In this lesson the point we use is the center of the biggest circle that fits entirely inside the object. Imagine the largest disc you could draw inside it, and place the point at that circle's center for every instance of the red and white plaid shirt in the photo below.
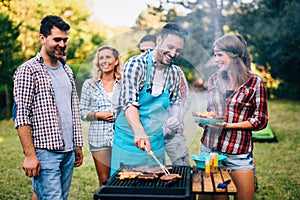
(247, 103)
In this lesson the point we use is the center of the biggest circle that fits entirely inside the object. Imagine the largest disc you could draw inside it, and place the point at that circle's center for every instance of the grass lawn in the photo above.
(277, 163)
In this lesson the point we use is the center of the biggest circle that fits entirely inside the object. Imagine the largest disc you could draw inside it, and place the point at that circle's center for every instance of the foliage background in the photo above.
(271, 28)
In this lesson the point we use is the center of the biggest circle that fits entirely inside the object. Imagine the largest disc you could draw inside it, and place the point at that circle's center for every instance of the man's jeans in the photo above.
(54, 180)
(177, 150)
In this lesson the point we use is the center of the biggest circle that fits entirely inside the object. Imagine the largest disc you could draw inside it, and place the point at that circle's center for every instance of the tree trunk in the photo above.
(217, 18)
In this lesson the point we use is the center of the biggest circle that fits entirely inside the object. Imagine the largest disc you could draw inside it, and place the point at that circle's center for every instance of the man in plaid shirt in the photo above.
(47, 114)
(175, 142)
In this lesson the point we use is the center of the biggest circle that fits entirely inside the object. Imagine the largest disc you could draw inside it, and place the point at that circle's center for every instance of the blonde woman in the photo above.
(97, 99)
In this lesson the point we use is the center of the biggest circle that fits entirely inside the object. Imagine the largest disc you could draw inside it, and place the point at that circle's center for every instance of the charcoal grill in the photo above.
(131, 189)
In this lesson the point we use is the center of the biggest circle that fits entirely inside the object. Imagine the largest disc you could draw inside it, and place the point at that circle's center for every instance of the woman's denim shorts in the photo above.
(93, 148)
(234, 161)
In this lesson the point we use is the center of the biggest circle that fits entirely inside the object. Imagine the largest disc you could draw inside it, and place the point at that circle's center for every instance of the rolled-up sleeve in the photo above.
(23, 95)
(259, 120)
(132, 81)
(85, 99)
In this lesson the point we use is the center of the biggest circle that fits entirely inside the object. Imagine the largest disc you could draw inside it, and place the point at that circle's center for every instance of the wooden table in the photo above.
(202, 184)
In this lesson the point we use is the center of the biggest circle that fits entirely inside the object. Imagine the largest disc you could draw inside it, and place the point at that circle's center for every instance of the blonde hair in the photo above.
(235, 46)
(96, 70)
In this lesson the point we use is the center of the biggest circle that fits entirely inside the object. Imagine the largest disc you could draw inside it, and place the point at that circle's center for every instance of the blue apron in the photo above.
(153, 113)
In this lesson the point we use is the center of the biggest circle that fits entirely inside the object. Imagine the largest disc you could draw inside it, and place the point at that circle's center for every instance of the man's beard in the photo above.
(161, 56)
(51, 53)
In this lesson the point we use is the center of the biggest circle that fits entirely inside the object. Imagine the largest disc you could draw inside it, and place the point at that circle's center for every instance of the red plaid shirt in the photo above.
(247, 103)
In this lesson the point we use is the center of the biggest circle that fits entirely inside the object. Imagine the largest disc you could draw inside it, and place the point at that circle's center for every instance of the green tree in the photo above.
(84, 34)
(30, 12)
(153, 18)
(272, 30)
(9, 59)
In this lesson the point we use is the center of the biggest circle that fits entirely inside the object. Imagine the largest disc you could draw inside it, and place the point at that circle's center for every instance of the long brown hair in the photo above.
(235, 46)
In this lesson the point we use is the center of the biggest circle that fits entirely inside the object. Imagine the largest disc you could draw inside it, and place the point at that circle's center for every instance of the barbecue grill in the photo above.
(131, 189)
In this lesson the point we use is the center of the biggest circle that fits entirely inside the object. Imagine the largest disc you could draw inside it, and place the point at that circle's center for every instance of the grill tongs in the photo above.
(163, 168)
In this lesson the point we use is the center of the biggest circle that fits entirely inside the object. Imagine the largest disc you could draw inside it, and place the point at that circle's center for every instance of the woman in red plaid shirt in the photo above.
(238, 94)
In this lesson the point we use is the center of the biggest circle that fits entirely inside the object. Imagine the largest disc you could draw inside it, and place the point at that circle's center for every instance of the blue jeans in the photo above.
(177, 149)
(54, 180)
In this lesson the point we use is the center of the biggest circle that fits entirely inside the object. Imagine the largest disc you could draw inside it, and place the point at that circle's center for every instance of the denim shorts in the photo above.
(94, 148)
(54, 179)
(234, 161)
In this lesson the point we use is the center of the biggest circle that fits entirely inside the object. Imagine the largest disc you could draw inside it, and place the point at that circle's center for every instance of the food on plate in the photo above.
(170, 177)
(205, 114)
(205, 118)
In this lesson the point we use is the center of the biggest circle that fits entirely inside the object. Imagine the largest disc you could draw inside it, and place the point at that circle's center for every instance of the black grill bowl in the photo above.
(132, 189)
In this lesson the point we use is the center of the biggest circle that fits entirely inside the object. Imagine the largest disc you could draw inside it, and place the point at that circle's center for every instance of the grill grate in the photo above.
(147, 189)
